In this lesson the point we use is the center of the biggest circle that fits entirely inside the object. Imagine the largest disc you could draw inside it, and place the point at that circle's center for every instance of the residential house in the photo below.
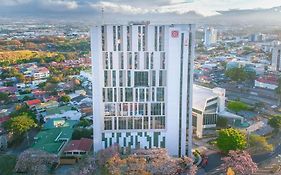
(78, 147)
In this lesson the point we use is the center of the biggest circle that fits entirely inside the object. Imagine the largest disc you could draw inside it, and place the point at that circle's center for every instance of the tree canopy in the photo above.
(275, 122)
(65, 98)
(259, 144)
(20, 124)
(240, 74)
(237, 106)
(231, 139)
(240, 162)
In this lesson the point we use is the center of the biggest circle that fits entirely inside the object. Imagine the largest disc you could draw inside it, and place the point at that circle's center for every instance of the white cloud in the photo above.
(203, 7)
(13, 2)
(68, 4)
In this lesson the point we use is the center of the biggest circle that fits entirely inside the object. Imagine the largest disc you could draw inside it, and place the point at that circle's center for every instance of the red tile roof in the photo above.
(33, 102)
(81, 145)
(268, 80)
(4, 119)
(8, 89)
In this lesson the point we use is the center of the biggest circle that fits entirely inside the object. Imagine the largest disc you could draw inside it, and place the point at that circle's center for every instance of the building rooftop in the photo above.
(83, 144)
(52, 138)
(59, 122)
(200, 96)
(268, 80)
(58, 110)
(33, 102)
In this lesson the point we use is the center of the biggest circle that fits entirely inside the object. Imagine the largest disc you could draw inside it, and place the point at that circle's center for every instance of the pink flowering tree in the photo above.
(240, 162)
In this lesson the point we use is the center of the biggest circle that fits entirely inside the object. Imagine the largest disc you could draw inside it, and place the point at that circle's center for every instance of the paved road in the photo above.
(214, 160)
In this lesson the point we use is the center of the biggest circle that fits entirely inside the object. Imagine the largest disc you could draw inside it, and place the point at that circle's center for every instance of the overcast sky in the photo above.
(125, 8)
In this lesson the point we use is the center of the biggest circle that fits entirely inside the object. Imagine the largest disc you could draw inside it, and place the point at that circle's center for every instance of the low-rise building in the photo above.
(78, 147)
(33, 103)
(267, 82)
(66, 112)
(207, 105)
(54, 136)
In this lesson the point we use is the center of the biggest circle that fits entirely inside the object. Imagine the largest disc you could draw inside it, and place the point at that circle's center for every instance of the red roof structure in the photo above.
(268, 80)
(4, 119)
(33, 102)
(8, 89)
(83, 144)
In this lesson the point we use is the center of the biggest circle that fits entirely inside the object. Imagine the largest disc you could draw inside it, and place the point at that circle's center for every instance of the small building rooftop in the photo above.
(200, 96)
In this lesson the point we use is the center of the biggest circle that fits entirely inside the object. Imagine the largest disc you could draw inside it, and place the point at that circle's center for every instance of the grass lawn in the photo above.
(7, 163)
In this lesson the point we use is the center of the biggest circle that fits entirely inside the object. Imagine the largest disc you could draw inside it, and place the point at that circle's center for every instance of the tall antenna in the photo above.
(102, 16)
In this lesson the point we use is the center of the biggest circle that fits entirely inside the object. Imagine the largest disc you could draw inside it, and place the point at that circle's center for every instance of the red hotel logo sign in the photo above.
(175, 34)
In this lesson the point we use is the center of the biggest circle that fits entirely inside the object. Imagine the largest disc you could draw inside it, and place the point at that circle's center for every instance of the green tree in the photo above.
(222, 122)
(82, 133)
(231, 139)
(275, 122)
(259, 144)
(84, 123)
(4, 96)
(237, 106)
(65, 98)
(20, 124)
(240, 74)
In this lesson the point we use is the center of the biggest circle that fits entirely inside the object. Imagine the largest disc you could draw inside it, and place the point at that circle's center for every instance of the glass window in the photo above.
(139, 38)
(143, 38)
(159, 122)
(121, 60)
(141, 79)
(107, 123)
(103, 37)
(121, 95)
(109, 95)
(155, 108)
(114, 78)
(119, 109)
(125, 109)
(138, 122)
(145, 122)
(130, 123)
(141, 92)
(162, 78)
(114, 94)
(122, 78)
(129, 37)
(137, 64)
(129, 78)
(114, 38)
(141, 109)
(153, 78)
(122, 123)
(130, 61)
(105, 60)
(147, 91)
(119, 38)
(151, 60)
(160, 94)
(146, 60)
(111, 60)
(109, 109)
(162, 60)
(128, 94)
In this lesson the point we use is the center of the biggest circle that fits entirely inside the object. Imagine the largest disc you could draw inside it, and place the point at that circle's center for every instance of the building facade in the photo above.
(276, 58)
(142, 84)
(210, 36)
(207, 105)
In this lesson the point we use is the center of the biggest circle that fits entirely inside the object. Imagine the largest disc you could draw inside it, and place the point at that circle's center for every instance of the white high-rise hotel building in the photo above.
(142, 86)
